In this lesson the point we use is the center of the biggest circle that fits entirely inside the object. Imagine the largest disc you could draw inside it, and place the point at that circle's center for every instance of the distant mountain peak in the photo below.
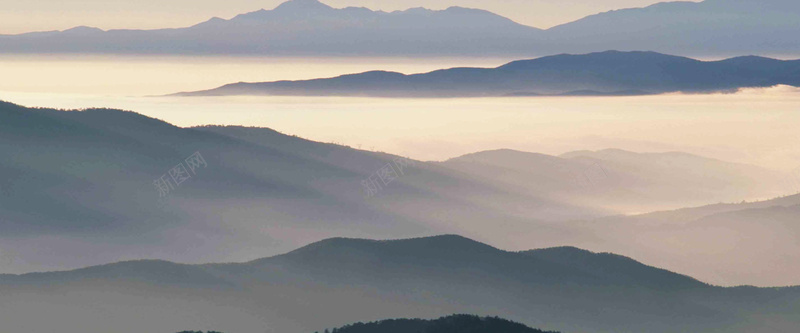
(302, 6)
(413, 10)
(561, 251)
(345, 249)
(495, 154)
(452, 323)
(83, 29)
(459, 9)
(450, 239)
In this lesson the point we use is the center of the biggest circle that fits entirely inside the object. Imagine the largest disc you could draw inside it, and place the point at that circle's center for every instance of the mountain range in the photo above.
(565, 289)
(722, 242)
(603, 73)
(77, 181)
(310, 28)
(618, 179)
(83, 182)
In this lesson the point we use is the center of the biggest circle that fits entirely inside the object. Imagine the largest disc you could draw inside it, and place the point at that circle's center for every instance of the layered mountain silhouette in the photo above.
(301, 27)
(604, 73)
(309, 27)
(83, 182)
(722, 242)
(621, 179)
(564, 289)
(77, 177)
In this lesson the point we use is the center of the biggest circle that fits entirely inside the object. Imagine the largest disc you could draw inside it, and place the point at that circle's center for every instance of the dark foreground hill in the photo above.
(339, 281)
(604, 73)
(450, 324)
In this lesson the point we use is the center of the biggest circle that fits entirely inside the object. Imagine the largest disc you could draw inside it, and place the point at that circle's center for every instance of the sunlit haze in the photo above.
(755, 126)
(290, 166)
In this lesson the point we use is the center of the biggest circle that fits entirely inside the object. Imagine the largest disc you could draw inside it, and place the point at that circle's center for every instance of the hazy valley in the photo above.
(261, 191)
(364, 167)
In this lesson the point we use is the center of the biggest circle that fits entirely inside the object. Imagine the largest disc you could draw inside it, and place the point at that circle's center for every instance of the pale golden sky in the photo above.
(17, 16)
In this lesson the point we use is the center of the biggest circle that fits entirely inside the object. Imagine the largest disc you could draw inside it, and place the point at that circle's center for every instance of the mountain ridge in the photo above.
(556, 286)
(450, 243)
(267, 186)
(619, 178)
(302, 28)
(608, 72)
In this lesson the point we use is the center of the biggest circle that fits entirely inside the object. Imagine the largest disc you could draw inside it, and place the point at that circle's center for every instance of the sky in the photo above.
(18, 16)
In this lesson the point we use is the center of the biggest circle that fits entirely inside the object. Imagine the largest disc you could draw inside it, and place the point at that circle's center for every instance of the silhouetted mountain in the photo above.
(458, 258)
(605, 73)
(449, 324)
(687, 215)
(723, 243)
(627, 181)
(78, 178)
(710, 27)
(83, 182)
(613, 267)
(308, 27)
(303, 27)
(561, 289)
